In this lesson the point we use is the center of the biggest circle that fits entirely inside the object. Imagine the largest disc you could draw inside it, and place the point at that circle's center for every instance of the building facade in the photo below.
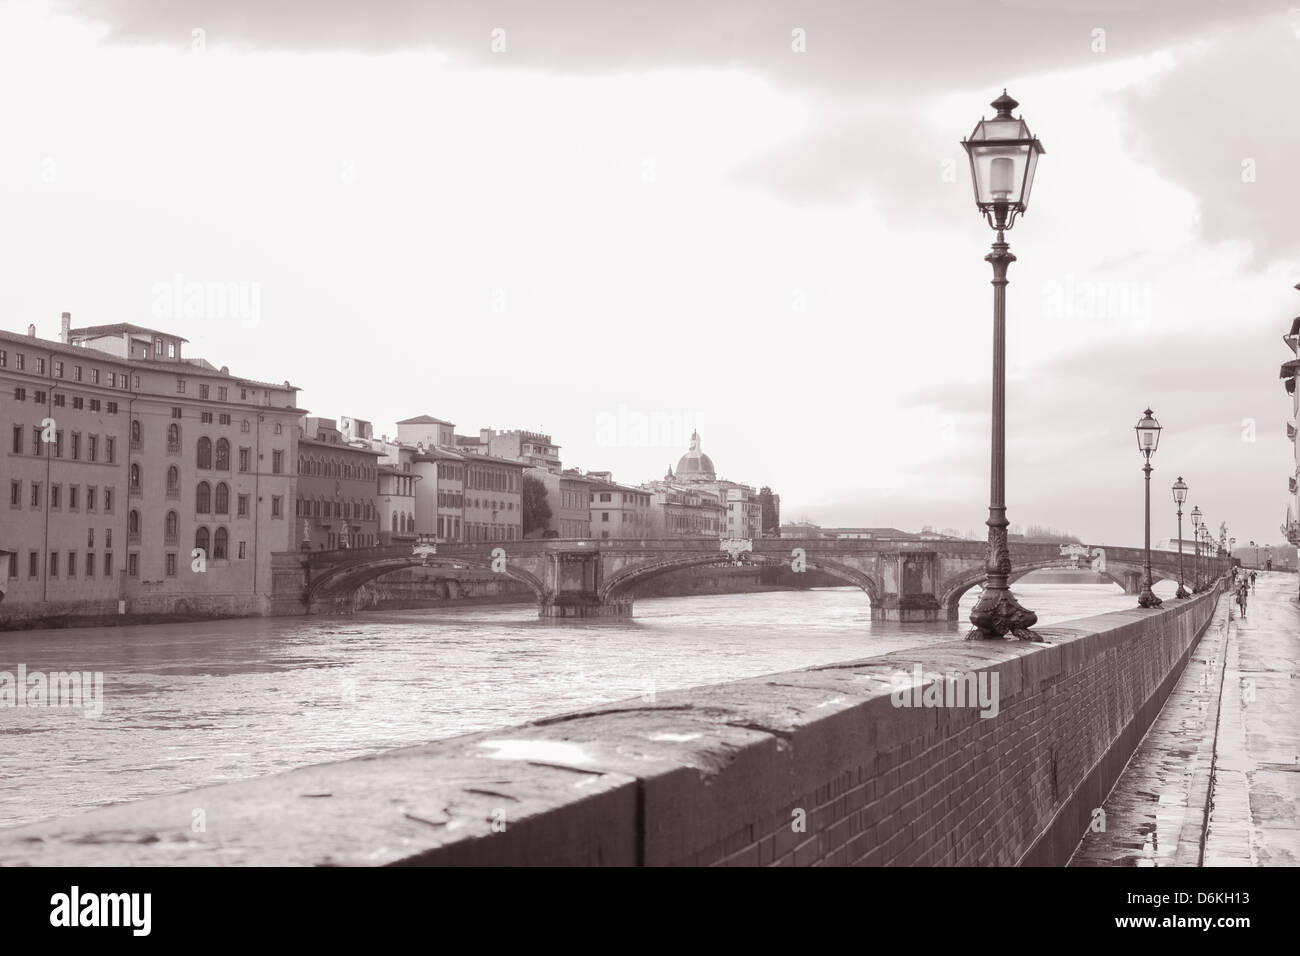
(619, 511)
(1290, 375)
(338, 487)
(569, 496)
(532, 448)
(139, 480)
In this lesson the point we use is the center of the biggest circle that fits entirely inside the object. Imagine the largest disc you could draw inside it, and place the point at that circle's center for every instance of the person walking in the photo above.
(1252, 580)
(1242, 591)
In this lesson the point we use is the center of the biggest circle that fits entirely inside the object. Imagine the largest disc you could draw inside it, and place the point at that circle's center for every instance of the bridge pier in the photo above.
(584, 604)
(1132, 582)
(909, 587)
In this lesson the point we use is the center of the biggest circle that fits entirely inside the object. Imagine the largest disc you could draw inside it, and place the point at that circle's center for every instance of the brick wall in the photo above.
(723, 774)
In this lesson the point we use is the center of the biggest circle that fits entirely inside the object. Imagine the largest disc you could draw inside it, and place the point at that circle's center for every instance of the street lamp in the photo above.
(1003, 157)
(1180, 495)
(1196, 533)
(1148, 438)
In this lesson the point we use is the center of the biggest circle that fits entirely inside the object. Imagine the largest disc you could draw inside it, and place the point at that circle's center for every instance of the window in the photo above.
(60, 400)
(15, 494)
(173, 482)
(90, 564)
(171, 564)
(20, 394)
(277, 462)
(243, 506)
(221, 544)
(158, 347)
(112, 408)
(224, 418)
(135, 433)
(243, 550)
(221, 397)
(110, 449)
(133, 565)
(76, 372)
(40, 366)
(94, 404)
(137, 382)
(171, 528)
(223, 498)
(54, 564)
(108, 563)
(58, 443)
(171, 349)
(180, 386)
(277, 506)
(17, 447)
(76, 446)
(205, 418)
(243, 396)
(173, 439)
(243, 426)
(36, 440)
(133, 524)
(90, 537)
(176, 411)
(74, 492)
(604, 516)
(278, 428)
(90, 500)
(204, 456)
(13, 564)
(135, 478)
(201, 540)
(223, 455)
(33, 564)
(112, 380)
(203, 391)
(4, 359)
(92, 448)
(108, 501)
(203, 499)
(36, 494)
(72, 564)
(78, 402)
(21, 359)
(108, 537)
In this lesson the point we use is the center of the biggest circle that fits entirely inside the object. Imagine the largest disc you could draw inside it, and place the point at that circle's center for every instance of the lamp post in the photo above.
(1231, 542)
(1148, 438)
(1180, 495)
(1003, 157)
(1196, 533)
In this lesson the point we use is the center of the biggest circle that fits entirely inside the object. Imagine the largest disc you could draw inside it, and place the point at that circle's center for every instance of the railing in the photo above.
(173, 448)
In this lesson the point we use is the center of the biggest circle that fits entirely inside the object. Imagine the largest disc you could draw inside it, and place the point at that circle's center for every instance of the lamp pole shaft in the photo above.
(1147, 598)
(997, 612)
(1182, 591)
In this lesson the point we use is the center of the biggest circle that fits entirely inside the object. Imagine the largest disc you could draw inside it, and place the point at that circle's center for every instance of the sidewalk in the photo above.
(1216, 780)
(1255, 811)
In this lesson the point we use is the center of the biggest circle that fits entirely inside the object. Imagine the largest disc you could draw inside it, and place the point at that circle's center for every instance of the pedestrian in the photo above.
(1252, 580)
(1241, 597)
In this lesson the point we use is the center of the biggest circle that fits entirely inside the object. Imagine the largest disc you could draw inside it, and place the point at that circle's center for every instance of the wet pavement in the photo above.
(1216, 780)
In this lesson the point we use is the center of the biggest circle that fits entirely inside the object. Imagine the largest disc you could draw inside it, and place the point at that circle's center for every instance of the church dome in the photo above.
(695, 464)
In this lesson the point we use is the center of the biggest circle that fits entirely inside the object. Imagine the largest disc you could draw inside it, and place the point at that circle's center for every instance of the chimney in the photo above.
(65, 327)
(31, 331)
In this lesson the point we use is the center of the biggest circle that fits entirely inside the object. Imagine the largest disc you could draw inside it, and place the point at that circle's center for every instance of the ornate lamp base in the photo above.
(1182, 592)
(997, 614)
(1148, 599)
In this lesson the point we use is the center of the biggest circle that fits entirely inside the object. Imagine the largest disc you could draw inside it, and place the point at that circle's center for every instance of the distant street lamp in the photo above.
(1196, 533)
(1180, 495)
(1148, 438)
(1003, 157)
(1231, 542)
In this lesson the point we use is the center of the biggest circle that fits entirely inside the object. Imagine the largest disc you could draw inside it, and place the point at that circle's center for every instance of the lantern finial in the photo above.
(1004, 104)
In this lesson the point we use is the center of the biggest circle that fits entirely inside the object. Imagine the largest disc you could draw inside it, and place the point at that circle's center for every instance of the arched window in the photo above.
(173, 479)
(223, 455)
(223, 499)
(133, 522)
(205, 453)
(394, 522)
(135, 476)
(173, 435)
(203, 499)
(220, 543)
(201, 539)
(173, 525)
(135, 431)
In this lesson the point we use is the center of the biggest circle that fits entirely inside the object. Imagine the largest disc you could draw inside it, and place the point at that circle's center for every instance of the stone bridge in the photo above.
(906, 579)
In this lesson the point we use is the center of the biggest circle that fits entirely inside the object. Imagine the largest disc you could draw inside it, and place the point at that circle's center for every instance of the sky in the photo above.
(618, 223)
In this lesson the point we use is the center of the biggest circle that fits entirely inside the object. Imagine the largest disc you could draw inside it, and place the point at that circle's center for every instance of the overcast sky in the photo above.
(751, 218)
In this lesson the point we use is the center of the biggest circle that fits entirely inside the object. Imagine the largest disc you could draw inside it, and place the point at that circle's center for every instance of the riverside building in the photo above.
(138, 480)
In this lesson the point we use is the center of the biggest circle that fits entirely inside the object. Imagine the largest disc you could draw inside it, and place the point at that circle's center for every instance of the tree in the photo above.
(771, 511)
(537, 510)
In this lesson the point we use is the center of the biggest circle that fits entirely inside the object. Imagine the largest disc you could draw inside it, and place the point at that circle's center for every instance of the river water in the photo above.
(185, 705)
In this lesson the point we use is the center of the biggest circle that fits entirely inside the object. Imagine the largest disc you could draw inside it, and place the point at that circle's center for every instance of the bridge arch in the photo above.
(625, 583)
(339, 583)
(955, 589)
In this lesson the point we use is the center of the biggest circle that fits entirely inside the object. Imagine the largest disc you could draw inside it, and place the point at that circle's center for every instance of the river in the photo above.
(185, 705)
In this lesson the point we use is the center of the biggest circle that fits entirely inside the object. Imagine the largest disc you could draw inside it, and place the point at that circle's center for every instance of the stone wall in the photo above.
(817, 766)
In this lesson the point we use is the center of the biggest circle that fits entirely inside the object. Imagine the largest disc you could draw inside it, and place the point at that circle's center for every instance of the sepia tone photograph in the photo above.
(711, 434)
